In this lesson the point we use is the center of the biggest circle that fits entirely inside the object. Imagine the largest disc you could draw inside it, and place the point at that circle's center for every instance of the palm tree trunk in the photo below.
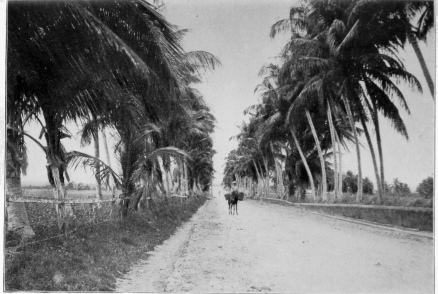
(186, 178)
(276, 170)
(126, 167)
(172, 184)
(321, 157)
(359, 194)
(108, 159)
(374, 115)
(278, 174)
(373, 156)
(340, 181)
(166, 169)
(335, 156)
(166, 175)
(259, 177)
(179, 178)
(18, 220)
(336, 170)
(267, 190)
(303, 158)
(58, 193)
(413, 40)
(379, 149)
(97, 175)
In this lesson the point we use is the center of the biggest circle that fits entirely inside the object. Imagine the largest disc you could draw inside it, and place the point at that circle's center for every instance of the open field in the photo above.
(47, 193)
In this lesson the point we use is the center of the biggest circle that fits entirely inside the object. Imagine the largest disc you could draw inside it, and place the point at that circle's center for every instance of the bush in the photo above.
(400, 188)
(425, 188)
(82, 186)
(43, 187)
(368, 187)
(72, 186)
(349, 184)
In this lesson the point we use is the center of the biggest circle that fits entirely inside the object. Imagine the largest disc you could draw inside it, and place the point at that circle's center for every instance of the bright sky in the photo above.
(237, 32)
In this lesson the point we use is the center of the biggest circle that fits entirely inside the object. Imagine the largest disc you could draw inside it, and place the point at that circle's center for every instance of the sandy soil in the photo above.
(274, 248)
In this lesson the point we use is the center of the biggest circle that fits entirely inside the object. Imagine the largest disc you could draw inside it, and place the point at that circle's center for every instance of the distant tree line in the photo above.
(70, 186)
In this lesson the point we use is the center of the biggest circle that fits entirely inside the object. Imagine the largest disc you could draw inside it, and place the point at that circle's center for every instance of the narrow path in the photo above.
(273, 248)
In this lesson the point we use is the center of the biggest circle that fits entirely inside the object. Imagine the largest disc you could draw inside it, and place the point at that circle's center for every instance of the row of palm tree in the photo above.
(111, 67)
(340, 68)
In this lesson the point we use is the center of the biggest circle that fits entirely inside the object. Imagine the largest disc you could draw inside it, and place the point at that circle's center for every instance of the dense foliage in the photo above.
(425, 188)
(339, 70)
(111, 67)
(350, 184)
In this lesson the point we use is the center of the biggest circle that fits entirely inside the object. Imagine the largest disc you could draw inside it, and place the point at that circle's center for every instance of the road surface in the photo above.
(274, 248)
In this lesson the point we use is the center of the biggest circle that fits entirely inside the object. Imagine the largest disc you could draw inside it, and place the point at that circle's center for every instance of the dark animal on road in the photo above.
(233, 198)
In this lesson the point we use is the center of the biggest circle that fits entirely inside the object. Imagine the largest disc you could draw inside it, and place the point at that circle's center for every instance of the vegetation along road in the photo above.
(274, 248)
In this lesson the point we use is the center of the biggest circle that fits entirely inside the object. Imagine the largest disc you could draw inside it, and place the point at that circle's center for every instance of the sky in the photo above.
(237, 32)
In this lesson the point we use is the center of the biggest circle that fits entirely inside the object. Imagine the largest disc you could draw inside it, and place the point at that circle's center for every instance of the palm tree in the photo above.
(107, 155)
(274, 105)
(335, 30)
(90, 131)
(306, 165)
(70, 80)
(16, 160)
(46, 60)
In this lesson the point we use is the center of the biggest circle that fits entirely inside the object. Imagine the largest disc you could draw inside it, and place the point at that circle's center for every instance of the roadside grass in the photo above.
(94, 256)
(412, 200)
(390, 199)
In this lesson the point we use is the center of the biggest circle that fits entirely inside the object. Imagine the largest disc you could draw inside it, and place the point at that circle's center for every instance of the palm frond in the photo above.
(77, 158)
(280, 26)
(168, 151)
(43, 148)
(201, 61)
(349, 38)
(385, 105)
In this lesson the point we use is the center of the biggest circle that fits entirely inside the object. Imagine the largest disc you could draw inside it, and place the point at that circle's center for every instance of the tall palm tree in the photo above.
(47, 60)
(335, 28)
(107, 156)
(71, 79)
(16, 159)
(90, 132)
(277, 107)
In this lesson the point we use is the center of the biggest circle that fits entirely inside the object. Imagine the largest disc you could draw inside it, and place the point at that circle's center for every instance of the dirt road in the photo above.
(273, 248)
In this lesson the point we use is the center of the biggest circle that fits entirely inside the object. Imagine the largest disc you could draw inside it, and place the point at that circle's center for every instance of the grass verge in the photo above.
(91, 259)
(412, 200)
